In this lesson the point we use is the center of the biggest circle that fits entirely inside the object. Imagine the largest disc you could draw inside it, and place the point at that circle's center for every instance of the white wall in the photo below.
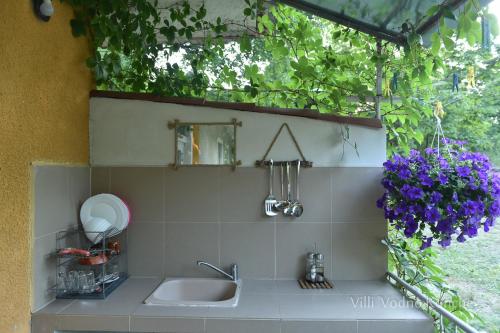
(131, 132)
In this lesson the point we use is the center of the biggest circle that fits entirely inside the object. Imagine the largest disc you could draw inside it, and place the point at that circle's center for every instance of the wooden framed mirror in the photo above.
(205, 144)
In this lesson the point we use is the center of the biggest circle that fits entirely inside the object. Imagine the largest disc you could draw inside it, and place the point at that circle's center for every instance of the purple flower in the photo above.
(431, 197)
(404, 173)
(432, 214)
(471, 231)
(443, 180)
(411, 192)
(436, 197)
(390, 166)
(445, 226)
(446, 241)
(387, 184)
(463, 171)
(443, 164)
(426, 243)
(425, 180)
(495, 208)
(410, 228)
(488, 223)
(430, 151)
(381, 201)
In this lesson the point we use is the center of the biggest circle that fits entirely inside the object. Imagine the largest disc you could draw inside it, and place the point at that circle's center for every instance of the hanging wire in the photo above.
(438, 114)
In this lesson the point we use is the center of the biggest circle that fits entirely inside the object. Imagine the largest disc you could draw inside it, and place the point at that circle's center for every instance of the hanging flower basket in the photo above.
(432, 196)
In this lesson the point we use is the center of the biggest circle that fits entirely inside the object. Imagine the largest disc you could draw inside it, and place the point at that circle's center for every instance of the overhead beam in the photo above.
(370, 29)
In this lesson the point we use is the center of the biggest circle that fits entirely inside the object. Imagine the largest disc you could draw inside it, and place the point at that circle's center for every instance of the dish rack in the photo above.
(106, 276)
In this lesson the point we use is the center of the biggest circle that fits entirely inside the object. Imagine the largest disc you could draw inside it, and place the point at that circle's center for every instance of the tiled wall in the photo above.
(215, 214)
(59, 192)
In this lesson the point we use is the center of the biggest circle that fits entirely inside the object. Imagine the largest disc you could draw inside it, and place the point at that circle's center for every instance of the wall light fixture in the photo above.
(43, 9)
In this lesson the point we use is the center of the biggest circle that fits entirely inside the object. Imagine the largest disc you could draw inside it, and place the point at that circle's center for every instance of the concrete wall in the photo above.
(59, 193)
(44, 87)
(216, 214)
(131, 132)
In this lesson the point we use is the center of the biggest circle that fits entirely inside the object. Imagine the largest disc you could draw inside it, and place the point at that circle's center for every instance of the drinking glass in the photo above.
(90, 279)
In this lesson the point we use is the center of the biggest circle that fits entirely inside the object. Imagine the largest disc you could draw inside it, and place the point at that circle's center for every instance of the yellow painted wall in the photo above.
(44, 89)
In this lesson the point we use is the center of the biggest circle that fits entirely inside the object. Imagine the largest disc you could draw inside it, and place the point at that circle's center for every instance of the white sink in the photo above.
(196, 292)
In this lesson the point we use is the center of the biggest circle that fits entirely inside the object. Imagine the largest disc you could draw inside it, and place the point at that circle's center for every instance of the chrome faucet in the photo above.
(234, 270)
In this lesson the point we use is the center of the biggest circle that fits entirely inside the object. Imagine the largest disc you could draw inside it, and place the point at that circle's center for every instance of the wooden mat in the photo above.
(317, 285)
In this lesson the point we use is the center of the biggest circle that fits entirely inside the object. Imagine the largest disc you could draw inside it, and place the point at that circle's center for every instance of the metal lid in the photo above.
(319, 256)
(311, 255)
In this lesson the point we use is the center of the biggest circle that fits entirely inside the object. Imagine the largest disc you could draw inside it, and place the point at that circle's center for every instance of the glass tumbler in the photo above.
(82, 283)
(90, 282)
(72, 281)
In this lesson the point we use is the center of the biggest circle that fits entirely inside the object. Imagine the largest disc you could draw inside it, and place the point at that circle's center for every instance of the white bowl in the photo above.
(106, 206)
(95, 228)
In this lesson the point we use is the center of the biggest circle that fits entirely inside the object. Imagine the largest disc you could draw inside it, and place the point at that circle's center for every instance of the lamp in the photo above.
(43, 9)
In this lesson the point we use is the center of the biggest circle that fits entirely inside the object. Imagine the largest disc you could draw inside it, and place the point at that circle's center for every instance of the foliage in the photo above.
(436, 196)
(471, 114)
(297, 61)
(472, 269)
(418, 268)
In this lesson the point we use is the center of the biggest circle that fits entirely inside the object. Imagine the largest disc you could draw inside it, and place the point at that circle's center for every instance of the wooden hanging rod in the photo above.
(303, 163)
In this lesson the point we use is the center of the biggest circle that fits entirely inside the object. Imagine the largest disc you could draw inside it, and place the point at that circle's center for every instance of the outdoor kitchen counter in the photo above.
(265, 306)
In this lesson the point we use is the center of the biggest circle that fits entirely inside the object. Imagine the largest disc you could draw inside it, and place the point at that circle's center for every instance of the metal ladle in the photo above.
(297, 207)
(289, 208)
(283, 203)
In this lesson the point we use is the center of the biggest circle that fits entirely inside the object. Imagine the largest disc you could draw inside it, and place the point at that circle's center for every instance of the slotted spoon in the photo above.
(270, 200)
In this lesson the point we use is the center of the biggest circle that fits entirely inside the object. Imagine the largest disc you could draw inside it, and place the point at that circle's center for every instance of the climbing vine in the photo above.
(282, 58)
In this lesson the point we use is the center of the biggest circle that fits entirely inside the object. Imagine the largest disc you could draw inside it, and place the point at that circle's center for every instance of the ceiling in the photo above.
(230, 12)
(381, 18)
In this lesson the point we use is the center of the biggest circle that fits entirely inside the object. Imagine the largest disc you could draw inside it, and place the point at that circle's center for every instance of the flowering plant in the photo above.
(434, 196)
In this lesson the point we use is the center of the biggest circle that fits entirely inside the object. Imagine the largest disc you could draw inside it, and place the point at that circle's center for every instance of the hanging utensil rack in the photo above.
(303, 162)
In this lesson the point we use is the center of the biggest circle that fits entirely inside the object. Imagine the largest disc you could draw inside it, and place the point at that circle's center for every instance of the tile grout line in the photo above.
(164, 226)
(331, 224)
(275, 249)
(219, 217)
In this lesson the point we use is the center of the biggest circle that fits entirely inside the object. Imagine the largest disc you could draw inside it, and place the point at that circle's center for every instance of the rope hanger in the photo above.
(264, 162)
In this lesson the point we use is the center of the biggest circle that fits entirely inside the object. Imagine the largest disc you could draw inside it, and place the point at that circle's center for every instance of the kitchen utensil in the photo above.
(90, 282)
(288, 210)
(73, 251)
(114, 248)
(281, 204)
(108, 207)
(319, 261)
(297, 208)
(61, 282)
(95, 229)
(94, 260)
(72, 281)
(270, 200)
(83, 283)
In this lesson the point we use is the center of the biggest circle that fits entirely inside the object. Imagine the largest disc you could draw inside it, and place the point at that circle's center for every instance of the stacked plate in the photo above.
(102, 213)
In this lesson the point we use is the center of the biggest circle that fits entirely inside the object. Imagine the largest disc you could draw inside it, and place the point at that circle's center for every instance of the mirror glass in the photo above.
(205, 144)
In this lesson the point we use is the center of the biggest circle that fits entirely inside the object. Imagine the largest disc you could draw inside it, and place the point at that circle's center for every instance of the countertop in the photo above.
(265, 306)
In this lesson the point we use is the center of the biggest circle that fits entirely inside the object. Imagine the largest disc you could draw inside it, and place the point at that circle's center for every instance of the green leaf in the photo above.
(77, 28)
(449, 14)
(471, 39)
(245, 44)
(436, 44)
(492, 20)
(449, 44)
(418, 136)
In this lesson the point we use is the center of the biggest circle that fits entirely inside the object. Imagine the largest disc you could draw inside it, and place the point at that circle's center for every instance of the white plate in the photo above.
(108, 207)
